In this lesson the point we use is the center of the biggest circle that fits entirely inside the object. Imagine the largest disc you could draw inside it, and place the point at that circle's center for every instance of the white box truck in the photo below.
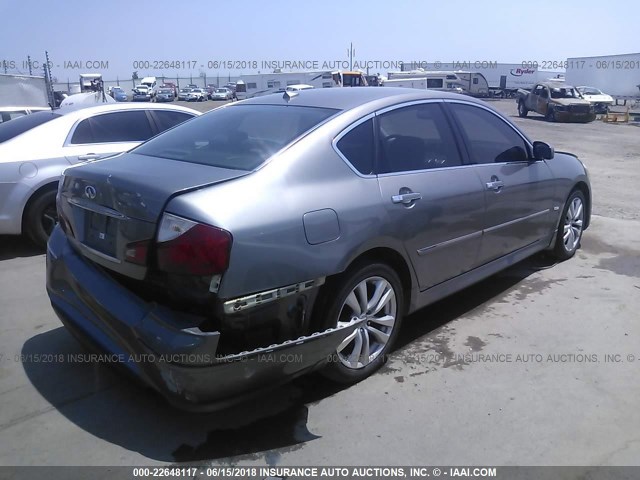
(21, 95)
(503, 79)
(616, 75)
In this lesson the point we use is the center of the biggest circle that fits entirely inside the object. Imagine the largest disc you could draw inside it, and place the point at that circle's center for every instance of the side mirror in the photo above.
(542, 151)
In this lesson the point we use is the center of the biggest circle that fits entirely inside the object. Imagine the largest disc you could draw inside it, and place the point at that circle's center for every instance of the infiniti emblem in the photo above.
(90, 191)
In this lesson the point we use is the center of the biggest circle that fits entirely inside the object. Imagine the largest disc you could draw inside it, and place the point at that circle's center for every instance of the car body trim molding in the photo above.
(239, 304)
(470, 236)
(446, 243)
(521, 219)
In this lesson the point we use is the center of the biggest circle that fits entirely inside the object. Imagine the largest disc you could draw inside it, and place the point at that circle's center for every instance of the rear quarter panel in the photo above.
(264, 212)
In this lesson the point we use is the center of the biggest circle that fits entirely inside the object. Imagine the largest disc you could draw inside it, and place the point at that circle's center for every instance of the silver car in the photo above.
(222, 94)
(35, 150)
(294, 232)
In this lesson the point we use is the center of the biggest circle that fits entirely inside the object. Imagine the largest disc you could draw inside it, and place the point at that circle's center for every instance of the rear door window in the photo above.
(166, 119)
(116, 127)
(417, 137)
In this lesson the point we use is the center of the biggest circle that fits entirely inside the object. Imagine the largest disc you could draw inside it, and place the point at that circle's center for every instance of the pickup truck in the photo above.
(556, 102)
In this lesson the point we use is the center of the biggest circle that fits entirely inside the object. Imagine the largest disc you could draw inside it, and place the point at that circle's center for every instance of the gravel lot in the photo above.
(512, 371)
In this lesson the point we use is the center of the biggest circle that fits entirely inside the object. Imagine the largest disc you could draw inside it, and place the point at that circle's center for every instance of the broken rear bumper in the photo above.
(162, 347)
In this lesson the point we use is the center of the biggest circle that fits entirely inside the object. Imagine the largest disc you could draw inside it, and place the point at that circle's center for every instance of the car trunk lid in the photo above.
(108, 206)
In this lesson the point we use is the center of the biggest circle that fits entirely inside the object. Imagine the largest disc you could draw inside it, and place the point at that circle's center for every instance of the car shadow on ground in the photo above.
(15, 246)
(118, 410)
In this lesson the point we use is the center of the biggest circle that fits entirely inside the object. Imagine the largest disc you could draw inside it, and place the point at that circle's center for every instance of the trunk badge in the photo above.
(90, 192)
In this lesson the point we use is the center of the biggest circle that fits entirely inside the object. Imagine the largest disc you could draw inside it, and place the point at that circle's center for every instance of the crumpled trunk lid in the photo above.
(108, 206)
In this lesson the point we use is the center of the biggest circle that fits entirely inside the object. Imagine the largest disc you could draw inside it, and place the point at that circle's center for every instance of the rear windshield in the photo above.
(18, 126)
(241, 137)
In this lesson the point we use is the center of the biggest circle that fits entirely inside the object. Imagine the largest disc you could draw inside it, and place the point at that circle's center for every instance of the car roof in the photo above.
(118, 107)
(556, 85)
(350, 97)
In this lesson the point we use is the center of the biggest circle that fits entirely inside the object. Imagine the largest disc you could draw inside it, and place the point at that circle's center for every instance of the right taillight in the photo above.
(191, 248)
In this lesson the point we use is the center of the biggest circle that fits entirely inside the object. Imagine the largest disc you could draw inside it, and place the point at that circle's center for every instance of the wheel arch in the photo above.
(393, 259)
(51, 185)
(584, 188)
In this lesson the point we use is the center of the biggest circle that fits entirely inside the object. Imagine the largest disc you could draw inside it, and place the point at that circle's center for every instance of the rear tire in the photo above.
(372, 293)
(522, 110)
(571, 226)
(40, 217)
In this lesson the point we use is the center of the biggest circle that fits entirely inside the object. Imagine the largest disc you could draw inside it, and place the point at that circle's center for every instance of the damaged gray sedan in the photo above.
(293, 232)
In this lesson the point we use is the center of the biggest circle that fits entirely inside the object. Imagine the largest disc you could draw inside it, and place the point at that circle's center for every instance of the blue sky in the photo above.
(115, 31)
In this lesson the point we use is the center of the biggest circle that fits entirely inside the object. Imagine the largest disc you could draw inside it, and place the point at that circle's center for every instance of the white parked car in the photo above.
(197, 95)
(600, 100)
(222, 94)
(35, 149)
(142, 93)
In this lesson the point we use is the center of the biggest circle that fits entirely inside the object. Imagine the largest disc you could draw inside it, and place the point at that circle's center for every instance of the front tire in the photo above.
(372, 294)
(522, 110)
(551, 115)
(40, 217)
(571, 226)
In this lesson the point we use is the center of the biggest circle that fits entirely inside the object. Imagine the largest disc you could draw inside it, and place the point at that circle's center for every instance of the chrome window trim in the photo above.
(426, 170)
(410, 103)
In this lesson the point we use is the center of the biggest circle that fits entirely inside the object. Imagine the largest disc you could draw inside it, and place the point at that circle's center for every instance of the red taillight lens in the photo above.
(137, 252)
(190, 248)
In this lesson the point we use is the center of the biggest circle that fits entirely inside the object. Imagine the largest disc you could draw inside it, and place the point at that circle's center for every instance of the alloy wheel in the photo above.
(573, 223)
(373, 301)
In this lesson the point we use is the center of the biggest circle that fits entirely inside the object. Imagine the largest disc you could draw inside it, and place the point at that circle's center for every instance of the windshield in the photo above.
(564, 93)
(18, 126)
(221, 90)
(166, 91)
(591, 91)
(240, 137)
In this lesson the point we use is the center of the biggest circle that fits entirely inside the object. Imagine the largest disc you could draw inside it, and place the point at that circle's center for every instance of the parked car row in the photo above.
(169, 92)
(197, 94)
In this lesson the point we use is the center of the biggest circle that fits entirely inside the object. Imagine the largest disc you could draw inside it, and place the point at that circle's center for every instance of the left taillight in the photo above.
(191, 248)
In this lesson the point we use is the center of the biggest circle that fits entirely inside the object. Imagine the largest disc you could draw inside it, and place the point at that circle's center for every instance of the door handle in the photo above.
(495, 185)
(406, 198)
(88, 156)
